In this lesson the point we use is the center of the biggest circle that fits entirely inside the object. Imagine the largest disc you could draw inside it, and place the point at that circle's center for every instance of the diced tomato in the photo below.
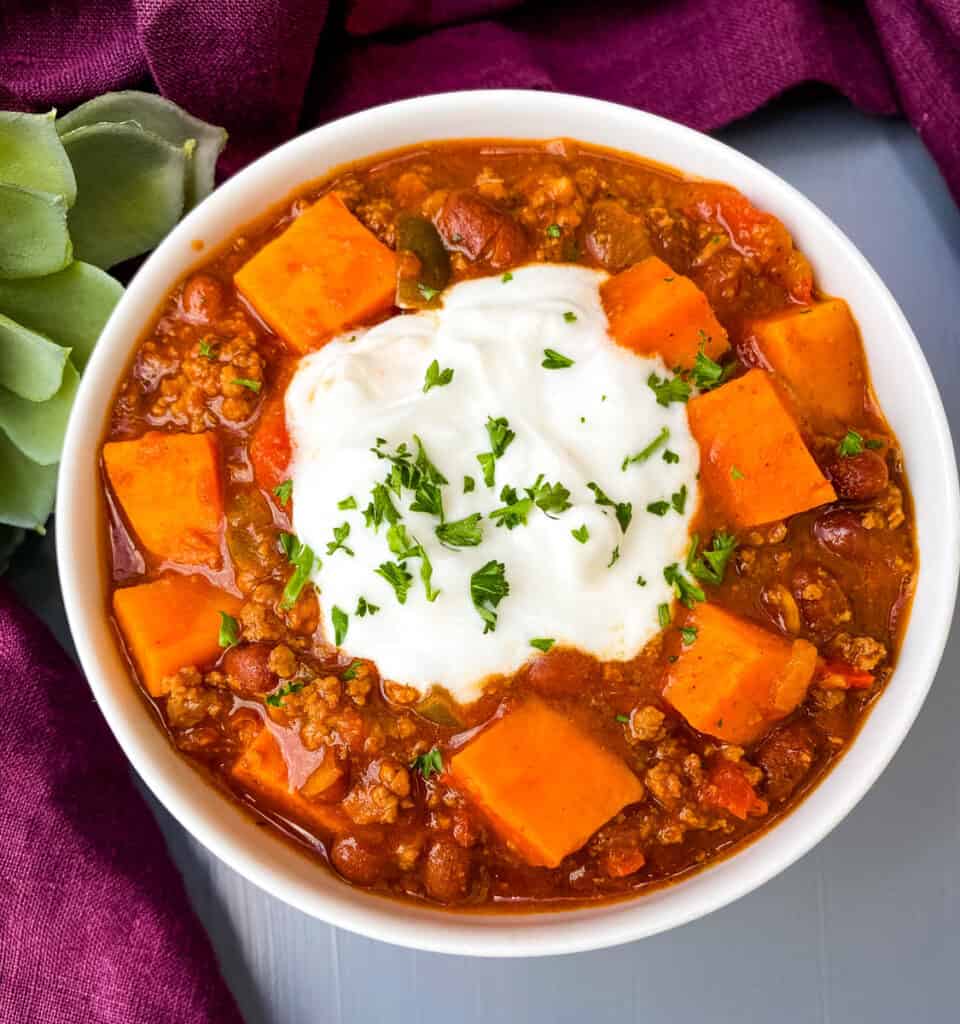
(727, 787)
(270, 450)
(621, 861)
(838, 675)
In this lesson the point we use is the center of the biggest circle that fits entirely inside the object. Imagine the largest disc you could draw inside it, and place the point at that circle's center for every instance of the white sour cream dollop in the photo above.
(573, 425)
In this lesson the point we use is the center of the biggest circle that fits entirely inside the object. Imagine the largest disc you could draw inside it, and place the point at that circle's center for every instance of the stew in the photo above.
(556, 774)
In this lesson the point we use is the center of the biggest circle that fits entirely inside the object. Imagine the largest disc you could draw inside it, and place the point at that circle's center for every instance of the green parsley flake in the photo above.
(301, 557)
(852, 444)
(506, 277)
(247, 382)
(668, 389)
(623, 509)
(500, 434)
(469, 484)
(488, 463)
(710, 566)
(679, 499)
(542, 643)
(340, 534)
(229, 634)
(364, 607)
(275, 699)
(347, 503)
(688, 634)
(553, 231)
(671, 458)
(658, 508)
(641, 582)
(554, 360)
(874, 443)
(488, 587)
(340, 623)
(381, 508)
(581, 534)
(351, 670)
(428, 764)
(706, 373)
(663, 615)
(614, 557)
(435, 377)
(207, 350)
(688, 593)
(735, 473)
(514, 512)
(624, 719)
(428, 293)
(462, 533)
(283, 492)
(395, 573)
(658, 442)
(569, 317)
(549, 497)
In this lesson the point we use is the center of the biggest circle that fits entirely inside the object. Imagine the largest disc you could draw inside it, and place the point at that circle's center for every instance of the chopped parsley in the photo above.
(404, 546)
(553, 231)
(462, 533)
(340, 623)
(542, 643)
(488, 587)
(500, 434)
(670, 457)
(340, 534)
(283, 491)
(710, 565)
(641, 582)
(247, 382)
(488, 463)
(468, 484)
(658, 442)
(663, 615)
(581, 534)
(688, 634)
(668, 389)
(515, 510)
(275, 699)
(395, 573)
(735, 473)
(624, 719)
(427, 292)
(623, 509)
(347, 503)
(435, 377)
(351, 670)
(658, 508)
(301, 557)
(850, 445)
(706, 373)
(614, 557)
(229, 634)
(428, 764)
(874, 443)
(554, 360)
(688, 593)
(569, 317)
(207, 350)
(679, 499)
(507, 276)
(381, 508)
(364, 607)
(549, 497)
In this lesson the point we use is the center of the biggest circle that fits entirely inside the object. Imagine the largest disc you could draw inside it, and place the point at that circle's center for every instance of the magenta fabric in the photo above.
(94, 921)
(265, 68)
(95, 927)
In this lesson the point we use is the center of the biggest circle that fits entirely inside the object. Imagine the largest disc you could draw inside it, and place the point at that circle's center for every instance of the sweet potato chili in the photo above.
(572, 779)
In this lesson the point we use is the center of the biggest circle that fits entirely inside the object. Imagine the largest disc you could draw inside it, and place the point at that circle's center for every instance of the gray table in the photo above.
(864, 928)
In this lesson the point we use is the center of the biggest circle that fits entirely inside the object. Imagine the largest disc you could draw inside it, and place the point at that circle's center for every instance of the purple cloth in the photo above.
(94, 922)
(95, 926)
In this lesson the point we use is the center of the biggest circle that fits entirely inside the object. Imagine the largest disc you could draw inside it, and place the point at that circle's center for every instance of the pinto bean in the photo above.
(839, 531)
(357, 862)
(446, 871)
(859, 477)
(823, 604)
(564, 671)
(202, 299)
(480, 231)
(246, 669)
(613, 237)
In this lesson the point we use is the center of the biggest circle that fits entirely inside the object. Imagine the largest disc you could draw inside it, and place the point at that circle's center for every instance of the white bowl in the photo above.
(903, 382)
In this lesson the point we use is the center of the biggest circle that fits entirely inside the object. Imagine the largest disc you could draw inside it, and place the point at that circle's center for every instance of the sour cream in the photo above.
(573, 425)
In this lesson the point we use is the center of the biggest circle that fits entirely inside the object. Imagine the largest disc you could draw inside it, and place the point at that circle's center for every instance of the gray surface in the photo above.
(866, 927)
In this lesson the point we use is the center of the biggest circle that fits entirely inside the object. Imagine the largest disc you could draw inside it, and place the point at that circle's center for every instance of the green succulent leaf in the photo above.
(32, 156)
(70, 307)
(26, 489)
(31, 365)
(130, 190)
(34, 239)
(163, 118)
(37, 428)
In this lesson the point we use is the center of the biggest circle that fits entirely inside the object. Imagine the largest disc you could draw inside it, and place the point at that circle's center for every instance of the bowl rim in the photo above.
(264, 860)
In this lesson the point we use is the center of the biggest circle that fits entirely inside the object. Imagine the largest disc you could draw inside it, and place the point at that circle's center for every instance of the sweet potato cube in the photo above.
(171, 623)
(544, 785)
(816, 350)
(168, 486)
(325, 273)
(262, 769)
(656, 311)
(736, 679)
(753, 460)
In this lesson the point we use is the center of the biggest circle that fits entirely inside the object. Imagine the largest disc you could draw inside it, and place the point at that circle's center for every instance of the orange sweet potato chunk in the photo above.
(656, 311)
(171, 623)
(736, 679)
(545, 786)
(753, 460)
(168, 486)
(817, 351)
(262, 769)
(325, 273)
